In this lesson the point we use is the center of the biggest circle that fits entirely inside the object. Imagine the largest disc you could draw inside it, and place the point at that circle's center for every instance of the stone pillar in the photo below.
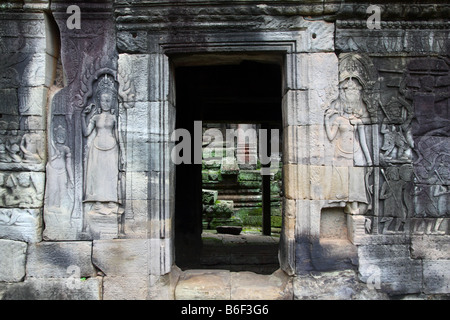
(149, 202)
(89, 61)
(306, 150)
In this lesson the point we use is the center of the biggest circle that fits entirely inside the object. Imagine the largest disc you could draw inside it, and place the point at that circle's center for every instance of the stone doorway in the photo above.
(232, 96)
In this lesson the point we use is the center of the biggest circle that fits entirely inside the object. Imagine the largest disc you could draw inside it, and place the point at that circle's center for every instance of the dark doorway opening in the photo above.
(224, 96)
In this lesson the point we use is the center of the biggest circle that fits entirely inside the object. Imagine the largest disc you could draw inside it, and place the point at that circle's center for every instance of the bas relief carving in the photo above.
(414, 146)
(59, 173)
(396, 129)
(396, 194)
(21, 189)
(426, 85)
(100, 127)
(347, 126)
(22, 149)
(10, 143)
(32, 144)
(86, 150)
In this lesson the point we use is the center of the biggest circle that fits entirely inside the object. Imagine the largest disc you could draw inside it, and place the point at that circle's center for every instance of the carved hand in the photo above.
(88, 109)
(330, 112)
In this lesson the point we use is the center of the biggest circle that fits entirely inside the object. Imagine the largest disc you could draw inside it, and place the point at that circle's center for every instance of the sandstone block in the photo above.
(13, 259)
(32, 101)
(252, 286)
(121, 257)
(21, 225)
(430, 247)
(136, 65)
(54, 289)
(436, 276)
(318, 71)
(296, 181)
(390, 268)
(38, 71)
(204, 285)
(335, 285)
(125, 288)
(60, 260)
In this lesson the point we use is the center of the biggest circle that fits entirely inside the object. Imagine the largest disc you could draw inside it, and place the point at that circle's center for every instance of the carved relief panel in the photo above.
(348, 125)
(85, 173)
(426, 84)
(411, 181)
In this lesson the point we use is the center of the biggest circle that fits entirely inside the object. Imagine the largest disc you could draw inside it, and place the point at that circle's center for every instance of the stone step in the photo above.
(227, 285)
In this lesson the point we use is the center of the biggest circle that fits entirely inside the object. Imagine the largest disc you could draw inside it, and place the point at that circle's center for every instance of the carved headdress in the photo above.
(106, 85)
(359, 66)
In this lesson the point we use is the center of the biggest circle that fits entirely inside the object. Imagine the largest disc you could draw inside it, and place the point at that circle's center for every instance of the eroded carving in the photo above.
(346, 126)
(397, 193)
(21, 224)
(398, 141)
(59, 173)
(21, 190)
(100, 126)
(31, 144)
(10, 143)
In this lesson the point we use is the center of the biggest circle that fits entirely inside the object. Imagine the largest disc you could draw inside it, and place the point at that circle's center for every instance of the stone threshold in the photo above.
(226, 285)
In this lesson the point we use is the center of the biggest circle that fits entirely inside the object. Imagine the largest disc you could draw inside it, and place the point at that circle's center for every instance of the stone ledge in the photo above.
(226, 285)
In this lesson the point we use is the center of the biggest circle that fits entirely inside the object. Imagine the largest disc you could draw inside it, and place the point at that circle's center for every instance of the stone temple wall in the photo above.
(87, 112)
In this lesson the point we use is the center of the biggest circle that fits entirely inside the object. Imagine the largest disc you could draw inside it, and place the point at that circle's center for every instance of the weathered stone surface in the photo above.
(204, 285)
(296, 181)
(333, 254)
(163, 287)
(333, 183)
(121, 257)
(436, 276)
(307, 145)
(391, 268)
(317, 71)
(226, 285)
(60, 260)
(13, 259)
(336, 285)
(209, 196)
(21, 225)
(22, 190)
(245, 252)
(430, 247)
(119, 288)
(287, 237)
(53, 289)
(251, 286)
(355, 36)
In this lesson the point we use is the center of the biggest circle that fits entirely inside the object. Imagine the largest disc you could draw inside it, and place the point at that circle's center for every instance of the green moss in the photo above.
(249, 175)
(275, 221)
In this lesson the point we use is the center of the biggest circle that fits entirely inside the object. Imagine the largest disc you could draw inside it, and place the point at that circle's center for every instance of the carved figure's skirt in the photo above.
(102, 174)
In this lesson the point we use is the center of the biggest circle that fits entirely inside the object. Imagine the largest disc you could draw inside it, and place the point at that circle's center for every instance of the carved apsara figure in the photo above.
(31, 144)
(13, 143)
(102, 163)
(344, 126)
(59, 171)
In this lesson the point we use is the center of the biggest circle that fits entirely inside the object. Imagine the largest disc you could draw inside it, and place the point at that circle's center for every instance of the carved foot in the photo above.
(98, 206)
(352, 208)
(112, 205)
